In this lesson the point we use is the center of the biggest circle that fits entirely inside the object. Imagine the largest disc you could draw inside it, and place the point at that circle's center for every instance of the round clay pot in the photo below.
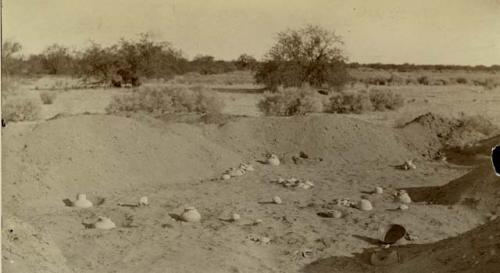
(82, 202)
(191, 214)
(273, 160)
(365, 205)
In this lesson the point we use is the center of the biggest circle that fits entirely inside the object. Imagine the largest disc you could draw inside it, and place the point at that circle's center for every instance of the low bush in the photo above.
(291, 101)
(349, 102)
(20, 110)
(385, 100)
(423, 80)
(166, 99)
(48, 97)
(489, 84)
(461, 80)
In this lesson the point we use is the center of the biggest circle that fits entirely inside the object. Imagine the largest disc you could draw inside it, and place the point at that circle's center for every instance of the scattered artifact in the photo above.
(403, 197)
(235, 217)
(247, 167)
(345, 202)
(407, 165)
(392, 233)
(104, 223)
(259, 239)
(143, 201)
(294, 183)
(365, 205)
(82, 202)
(273, 160)
(236, 172)
(331, 214)
(257, 221)
(191, 214)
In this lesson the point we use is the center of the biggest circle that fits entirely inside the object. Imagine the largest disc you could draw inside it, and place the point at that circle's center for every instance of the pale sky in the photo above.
(386, 31)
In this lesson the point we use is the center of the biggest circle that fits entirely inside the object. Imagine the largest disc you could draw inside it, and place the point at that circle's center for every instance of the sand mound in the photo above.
(472, 154)
(330, 138)
(429, 133)
(479, 188)
(477, 250)
(98, 154)
(26, 249)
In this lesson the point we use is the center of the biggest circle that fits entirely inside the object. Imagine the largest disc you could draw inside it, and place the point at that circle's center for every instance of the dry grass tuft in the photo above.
(291, 101)
(48, 97)
(349, 102)
(385, 100)
(20, 110)
(167, 99)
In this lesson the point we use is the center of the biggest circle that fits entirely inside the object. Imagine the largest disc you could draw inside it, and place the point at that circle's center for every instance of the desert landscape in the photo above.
(205, 165)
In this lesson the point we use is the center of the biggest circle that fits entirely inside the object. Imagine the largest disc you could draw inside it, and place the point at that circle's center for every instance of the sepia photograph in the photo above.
(280, 136)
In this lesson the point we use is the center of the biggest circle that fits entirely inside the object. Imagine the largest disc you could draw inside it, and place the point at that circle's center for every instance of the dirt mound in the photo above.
(472, 154)
(26, 249)
(328, 138)
(479, 188)
(99, 154)
(477, 250)
(430, 133)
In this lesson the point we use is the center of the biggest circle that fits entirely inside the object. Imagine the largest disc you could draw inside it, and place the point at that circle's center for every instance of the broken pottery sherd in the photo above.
(104, 223)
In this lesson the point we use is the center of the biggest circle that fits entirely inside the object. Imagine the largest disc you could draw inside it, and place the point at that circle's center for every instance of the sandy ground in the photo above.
(118, 159)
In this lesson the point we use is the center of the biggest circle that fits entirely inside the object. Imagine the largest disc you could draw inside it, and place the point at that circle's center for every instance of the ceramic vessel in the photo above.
(82, 202)
(191, 214)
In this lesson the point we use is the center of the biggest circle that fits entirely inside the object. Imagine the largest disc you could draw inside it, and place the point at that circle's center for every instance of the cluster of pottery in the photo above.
(402, 197)
(102, 222)
(235, 172)
(294, 183)
(345, 202)
(259, 239)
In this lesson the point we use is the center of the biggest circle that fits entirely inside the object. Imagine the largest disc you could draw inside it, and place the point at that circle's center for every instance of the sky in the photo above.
(387, 31)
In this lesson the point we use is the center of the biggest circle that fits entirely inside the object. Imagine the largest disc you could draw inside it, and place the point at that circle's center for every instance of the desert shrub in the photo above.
(424, 80)
(349, 102)
(48, 97)
(411, 81)
(439, 82)
(396, 80)
(20, 109)
(461, 80)
(166, 99)
(385, 99)
(489, 84)
(291, 101)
